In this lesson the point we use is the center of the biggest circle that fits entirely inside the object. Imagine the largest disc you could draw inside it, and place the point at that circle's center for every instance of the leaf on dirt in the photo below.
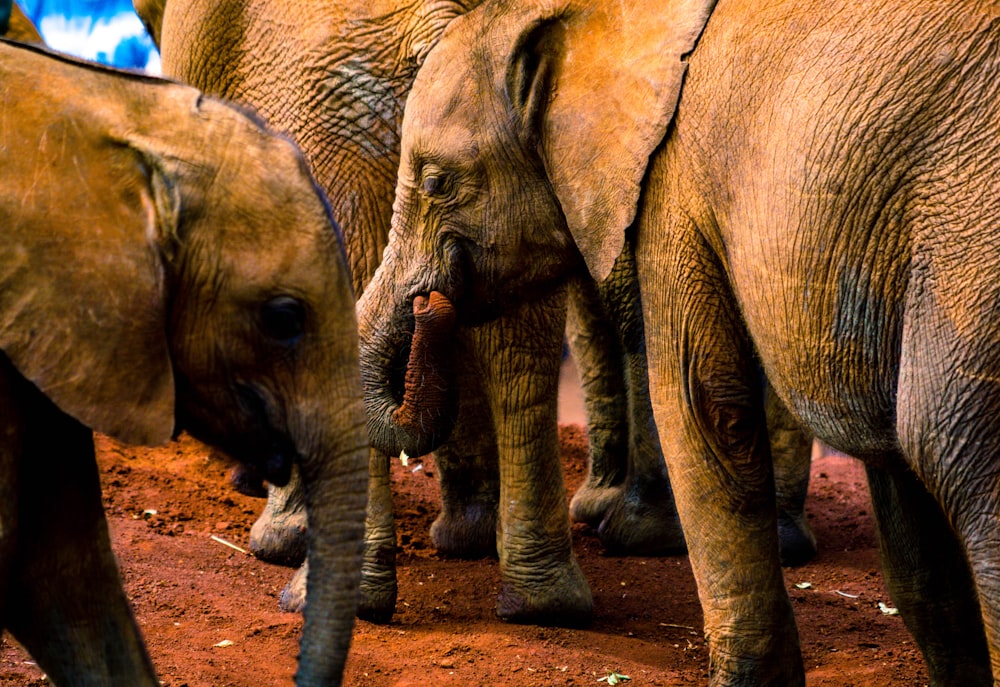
(224, 643)
(404, 459)
(615, 679)
(887, 609)
(849, 596)
(803, 585)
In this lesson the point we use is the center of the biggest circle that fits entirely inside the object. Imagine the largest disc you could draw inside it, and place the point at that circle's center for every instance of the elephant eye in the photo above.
(433, 184)
(283, 318)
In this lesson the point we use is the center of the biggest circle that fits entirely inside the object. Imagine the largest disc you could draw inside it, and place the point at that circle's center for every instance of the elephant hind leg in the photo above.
(791, 452)
(929, 579)
(708, 403)
(595, 346)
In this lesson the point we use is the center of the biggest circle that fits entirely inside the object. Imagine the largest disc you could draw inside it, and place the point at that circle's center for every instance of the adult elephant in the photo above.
(335, 75)
(823, 198)
(169, 265)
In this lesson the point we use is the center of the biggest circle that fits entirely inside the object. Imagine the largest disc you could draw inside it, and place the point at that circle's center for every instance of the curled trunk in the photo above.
(412, 408)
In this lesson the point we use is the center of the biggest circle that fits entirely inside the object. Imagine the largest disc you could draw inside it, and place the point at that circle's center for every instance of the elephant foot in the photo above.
(470, 534)
(557, 596)
(634, 526)
(796, 539)
(293, 596)
(279, 537)
(377, 602)
(590, 504)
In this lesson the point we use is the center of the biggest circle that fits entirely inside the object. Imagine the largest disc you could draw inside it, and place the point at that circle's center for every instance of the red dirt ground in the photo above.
(210, 614)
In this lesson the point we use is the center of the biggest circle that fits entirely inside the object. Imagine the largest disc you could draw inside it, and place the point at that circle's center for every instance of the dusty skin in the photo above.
(194, 596)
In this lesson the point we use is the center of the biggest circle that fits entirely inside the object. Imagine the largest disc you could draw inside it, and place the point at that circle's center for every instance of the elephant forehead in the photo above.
(444, 90)
(448, 122)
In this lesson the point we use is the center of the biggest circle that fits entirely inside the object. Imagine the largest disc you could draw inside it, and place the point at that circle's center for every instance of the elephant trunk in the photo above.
(335, 482)
(423, 417)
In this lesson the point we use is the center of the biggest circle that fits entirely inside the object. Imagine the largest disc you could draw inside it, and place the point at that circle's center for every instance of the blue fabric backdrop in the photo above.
(106, 31)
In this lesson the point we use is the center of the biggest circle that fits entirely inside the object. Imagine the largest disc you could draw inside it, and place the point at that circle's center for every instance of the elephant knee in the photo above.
(731, 423)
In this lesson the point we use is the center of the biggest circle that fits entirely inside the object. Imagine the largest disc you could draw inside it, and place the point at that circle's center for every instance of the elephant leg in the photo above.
(378, 571)
(596, 349)
(468, 472)
(541, 581)
(279, 535)
(66, 604)
(708, 403)
(639, 515)
(791, 453)
(12, 446)
(929, 579)
(947, 406)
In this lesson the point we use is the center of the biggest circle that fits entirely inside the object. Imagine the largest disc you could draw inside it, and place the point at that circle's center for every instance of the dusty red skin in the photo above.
(427, 382)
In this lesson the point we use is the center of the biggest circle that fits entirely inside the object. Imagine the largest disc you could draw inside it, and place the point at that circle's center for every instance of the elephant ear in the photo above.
(151, 14)
(82, 285)
(19, 27)
(598, 85)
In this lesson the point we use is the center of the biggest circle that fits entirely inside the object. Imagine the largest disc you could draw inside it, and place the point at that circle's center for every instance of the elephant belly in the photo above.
(828, 333)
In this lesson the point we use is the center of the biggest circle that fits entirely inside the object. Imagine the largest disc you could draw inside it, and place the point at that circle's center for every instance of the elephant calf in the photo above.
(168, 264)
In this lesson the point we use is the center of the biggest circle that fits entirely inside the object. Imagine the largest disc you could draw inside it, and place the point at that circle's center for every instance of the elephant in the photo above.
(16, 26)
(169, 265)
(809, 194)
(324, 72)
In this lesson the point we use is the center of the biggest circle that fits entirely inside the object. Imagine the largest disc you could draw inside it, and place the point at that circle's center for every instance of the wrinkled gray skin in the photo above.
(335, 76)
(324, 71)
(823, 199)
(168, 265)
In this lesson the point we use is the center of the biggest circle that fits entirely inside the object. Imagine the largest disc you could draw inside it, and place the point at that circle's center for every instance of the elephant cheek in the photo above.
(428, 387)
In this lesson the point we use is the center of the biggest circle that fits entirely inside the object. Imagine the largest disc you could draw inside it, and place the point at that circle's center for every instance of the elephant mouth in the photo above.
(259, 444)
(269, 450)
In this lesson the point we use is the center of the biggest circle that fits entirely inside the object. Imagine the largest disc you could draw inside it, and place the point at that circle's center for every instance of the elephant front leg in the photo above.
(541, 581)
(66, 603)
(279, 534)
(708, 405)
(379, 586)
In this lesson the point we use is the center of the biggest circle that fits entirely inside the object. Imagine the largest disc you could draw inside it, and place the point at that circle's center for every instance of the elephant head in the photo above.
(169, 265)
(497, 197)
(332, 75)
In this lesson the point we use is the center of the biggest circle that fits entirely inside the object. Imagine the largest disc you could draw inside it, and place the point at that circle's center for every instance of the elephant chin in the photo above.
(425, 416)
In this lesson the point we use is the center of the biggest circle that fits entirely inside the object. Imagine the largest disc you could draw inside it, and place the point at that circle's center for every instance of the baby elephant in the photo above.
(167, 264)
